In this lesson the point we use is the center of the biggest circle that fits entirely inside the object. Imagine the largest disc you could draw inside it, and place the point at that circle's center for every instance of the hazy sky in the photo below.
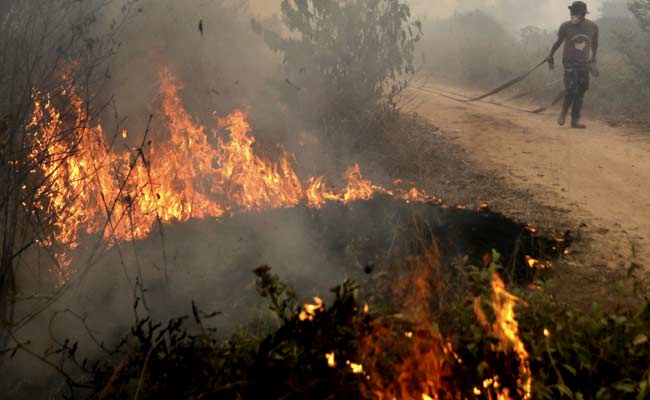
(516, 13)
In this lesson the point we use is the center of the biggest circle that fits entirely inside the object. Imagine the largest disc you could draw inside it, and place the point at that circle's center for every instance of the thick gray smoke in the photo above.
(223, 65)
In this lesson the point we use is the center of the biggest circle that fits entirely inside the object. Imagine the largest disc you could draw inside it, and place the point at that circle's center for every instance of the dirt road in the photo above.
(600, 175)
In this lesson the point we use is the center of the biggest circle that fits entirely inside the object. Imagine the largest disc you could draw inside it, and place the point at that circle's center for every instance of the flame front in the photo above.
(175, 175)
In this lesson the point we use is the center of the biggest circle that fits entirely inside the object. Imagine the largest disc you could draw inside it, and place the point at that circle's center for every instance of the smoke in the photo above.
(223, 65)
(210, 47)
(514, 14)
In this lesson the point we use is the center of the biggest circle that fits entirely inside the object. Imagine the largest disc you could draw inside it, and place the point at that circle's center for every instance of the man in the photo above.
(580, 38)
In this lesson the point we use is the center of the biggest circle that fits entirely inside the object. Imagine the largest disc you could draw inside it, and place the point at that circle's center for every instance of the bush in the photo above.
(409, 342)
(344, 60)
(641, 10)
(638, 51)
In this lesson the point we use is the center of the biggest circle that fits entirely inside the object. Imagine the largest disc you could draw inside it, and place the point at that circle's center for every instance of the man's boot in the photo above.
(576, 112)
(568, 100)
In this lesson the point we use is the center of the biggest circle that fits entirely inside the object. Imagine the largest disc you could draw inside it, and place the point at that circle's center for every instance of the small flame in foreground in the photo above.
(356, 368)
(310, 310)
(537, 264)
(428, 356)
(506, 329)
(331, 361)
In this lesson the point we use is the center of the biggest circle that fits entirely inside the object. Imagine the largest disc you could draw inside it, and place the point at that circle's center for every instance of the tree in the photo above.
(615, 9)
(38, 40)
(639, 54)
(641, 10)
(345, 60)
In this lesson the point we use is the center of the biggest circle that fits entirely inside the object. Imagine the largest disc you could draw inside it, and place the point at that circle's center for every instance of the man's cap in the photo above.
(578, 7)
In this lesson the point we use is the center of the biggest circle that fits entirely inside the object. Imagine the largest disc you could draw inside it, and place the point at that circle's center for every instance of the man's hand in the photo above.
(551, 62)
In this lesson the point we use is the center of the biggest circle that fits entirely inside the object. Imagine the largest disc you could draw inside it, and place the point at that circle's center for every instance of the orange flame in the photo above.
(506, 330)
(310, 310)
(175, 176)
(331, 360)
(421, 373)
(537, 264)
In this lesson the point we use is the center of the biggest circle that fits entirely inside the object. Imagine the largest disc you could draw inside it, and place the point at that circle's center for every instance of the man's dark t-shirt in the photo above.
(579, 40)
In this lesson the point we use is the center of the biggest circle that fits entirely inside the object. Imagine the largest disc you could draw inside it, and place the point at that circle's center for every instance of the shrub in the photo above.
(402, 345)
(345, 60)
(641, 10)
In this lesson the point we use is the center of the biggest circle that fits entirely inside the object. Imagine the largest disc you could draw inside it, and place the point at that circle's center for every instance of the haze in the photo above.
(513, 13)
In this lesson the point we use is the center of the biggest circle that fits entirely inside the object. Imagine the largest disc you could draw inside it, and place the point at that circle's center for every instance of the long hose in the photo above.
(511, 82)
(501, 88)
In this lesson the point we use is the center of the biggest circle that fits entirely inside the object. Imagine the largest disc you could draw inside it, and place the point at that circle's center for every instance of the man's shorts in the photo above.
(576, 78)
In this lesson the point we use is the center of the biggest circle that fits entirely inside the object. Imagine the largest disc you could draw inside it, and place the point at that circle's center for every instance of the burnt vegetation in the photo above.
(435, 301)
(367, 341)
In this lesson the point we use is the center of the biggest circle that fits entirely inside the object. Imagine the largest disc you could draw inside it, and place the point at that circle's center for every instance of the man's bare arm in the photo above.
(594, 47)
(561, 35)
(556, 46)
(550, 59)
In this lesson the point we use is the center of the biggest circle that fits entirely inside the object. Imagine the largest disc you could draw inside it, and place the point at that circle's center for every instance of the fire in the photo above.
(356, 368)
(428, 355)
(359, 188)
(310, 310)
(331, 361)
(537, 264)
(506, 330)
(182, 170)
(176, 174)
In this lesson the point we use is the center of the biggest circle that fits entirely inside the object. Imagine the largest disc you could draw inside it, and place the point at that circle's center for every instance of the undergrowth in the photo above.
(355, 345)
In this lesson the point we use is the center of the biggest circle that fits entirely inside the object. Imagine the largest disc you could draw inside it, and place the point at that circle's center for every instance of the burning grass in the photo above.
(482, 343)
(184, 171)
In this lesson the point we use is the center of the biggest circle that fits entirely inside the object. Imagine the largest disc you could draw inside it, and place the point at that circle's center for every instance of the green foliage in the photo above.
(282, 297)
(594, 355)
(586, 355)
(582, 355)
(345, 59)
(186, 360)
(639, 53)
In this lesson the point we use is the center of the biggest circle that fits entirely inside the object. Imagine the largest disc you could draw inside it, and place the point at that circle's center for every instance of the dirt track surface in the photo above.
(598, 178)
